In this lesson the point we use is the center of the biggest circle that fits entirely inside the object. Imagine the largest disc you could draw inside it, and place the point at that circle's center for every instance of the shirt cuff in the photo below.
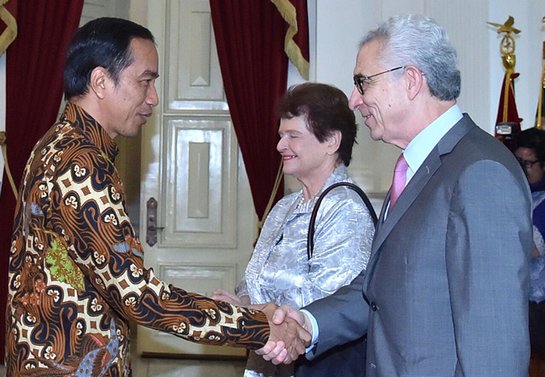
(315, 331)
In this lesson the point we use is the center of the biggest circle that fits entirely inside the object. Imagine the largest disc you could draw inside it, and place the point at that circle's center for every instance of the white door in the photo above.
(192, 172)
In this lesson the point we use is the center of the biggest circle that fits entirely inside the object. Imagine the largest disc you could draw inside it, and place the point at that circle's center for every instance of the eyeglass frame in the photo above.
(527, 164)
(360, 80)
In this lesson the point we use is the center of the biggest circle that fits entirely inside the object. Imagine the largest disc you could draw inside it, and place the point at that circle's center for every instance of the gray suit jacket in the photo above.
(446, 288)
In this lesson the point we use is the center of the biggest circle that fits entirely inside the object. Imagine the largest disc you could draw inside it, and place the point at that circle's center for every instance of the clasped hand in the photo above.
(290, 334)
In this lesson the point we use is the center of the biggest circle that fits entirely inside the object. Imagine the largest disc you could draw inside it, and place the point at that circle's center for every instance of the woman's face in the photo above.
(302, 154)
(534, 169)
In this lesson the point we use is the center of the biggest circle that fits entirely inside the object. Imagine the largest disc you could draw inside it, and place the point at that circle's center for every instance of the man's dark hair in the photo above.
(103, 42)
(534, 139)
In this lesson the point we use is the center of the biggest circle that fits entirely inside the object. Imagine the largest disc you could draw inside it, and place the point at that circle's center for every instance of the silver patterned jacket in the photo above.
(279, 270)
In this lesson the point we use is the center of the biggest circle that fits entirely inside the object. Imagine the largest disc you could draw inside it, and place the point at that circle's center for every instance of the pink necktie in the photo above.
(398, 183)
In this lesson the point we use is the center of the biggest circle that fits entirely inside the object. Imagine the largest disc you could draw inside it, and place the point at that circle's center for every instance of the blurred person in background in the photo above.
(530, 152)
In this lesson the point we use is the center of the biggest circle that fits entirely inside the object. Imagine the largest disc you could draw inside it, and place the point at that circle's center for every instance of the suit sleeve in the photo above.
(487, 270)
(341, 317)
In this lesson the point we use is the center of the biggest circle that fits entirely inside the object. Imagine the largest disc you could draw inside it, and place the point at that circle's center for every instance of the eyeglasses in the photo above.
(361, 81)
(527, 164)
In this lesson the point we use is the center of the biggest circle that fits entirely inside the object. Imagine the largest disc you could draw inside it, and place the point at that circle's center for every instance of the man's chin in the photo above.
(131, 133)
(374, 135)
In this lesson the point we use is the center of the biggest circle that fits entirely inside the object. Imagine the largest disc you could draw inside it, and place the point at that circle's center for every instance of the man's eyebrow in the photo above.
(150, 73)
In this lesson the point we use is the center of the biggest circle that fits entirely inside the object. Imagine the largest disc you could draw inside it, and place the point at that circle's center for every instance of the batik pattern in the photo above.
(76, 274)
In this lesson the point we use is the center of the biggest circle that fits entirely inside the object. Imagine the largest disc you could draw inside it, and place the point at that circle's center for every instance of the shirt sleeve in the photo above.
(99, 235)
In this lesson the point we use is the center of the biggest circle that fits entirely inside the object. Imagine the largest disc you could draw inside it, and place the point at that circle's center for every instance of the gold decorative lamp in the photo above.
(540, 115)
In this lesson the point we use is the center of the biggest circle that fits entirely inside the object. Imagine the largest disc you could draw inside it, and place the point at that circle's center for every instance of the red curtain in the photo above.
(301, 38)
(508, 120)
(34, 86)
(250, 41)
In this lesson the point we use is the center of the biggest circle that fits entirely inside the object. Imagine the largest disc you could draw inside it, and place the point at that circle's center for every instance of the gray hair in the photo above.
(419, 41)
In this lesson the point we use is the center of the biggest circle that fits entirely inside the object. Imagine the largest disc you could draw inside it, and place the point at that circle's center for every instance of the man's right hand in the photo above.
(289, 335)
(285, 311)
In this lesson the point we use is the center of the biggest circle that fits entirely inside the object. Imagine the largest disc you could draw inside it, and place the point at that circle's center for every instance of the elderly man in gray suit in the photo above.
(446, 289)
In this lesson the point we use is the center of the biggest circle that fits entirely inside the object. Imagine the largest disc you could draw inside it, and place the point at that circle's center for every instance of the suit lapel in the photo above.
(413, 189)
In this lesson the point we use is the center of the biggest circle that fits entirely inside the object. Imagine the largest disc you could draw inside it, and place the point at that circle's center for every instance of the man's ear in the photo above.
(415, 80)
(98, 82)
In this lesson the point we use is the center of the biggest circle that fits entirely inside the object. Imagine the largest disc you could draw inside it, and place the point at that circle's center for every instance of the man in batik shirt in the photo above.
(76, 274)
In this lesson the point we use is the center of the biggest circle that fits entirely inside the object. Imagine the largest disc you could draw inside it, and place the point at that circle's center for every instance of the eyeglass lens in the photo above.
(361, 81)
(527, 164)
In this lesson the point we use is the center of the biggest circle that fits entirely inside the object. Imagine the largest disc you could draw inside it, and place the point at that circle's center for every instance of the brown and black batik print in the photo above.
(76, 273)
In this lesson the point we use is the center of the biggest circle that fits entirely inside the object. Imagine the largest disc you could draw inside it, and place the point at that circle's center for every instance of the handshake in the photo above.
(290, 329)
(290, 333)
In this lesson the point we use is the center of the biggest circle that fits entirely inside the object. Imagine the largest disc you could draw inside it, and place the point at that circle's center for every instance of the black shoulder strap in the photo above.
(359, 191)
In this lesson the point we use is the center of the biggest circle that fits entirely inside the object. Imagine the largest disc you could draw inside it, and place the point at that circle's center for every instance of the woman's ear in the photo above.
(334, 142)
(98, 81)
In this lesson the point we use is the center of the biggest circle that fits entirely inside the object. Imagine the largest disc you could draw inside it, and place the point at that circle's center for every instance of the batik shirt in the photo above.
(76, 274)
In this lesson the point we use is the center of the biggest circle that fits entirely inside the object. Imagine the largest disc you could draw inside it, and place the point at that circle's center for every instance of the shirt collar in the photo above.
(421, 146)
(92, 130)
(538, 186)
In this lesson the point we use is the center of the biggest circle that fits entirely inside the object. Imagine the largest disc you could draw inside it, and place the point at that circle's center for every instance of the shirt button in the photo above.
(374, 306)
